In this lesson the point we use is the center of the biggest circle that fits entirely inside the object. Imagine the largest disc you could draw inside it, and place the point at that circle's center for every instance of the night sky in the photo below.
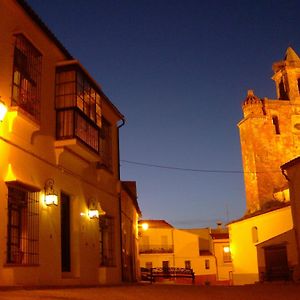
(179, 71)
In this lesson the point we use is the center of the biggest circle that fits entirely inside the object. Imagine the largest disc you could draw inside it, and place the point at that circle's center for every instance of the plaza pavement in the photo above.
(159, 292)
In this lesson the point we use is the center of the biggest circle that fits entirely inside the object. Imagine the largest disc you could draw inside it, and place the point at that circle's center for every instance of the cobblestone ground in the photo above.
(159, 292)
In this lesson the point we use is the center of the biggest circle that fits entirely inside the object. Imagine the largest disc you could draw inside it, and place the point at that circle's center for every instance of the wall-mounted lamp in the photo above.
(226, 249)
(3, 110)
(95, 210)
(144, 226)
(51, 197)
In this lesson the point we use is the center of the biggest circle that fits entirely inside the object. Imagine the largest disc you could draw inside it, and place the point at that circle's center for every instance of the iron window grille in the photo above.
(22, 226)
(107, 235)
(78, 106)
(26, 87)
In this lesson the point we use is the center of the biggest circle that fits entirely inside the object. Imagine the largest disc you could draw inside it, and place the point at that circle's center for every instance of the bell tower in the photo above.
(287, 77)
(270, 136)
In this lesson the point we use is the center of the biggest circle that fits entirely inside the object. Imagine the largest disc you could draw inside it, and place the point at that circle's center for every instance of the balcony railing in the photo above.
(73, 123)
(156, 249)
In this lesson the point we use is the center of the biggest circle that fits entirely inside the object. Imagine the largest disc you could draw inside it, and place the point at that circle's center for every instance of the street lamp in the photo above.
(51, 197)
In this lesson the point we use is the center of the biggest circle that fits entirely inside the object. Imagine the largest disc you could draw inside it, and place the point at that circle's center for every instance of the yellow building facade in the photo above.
(269, 134)
(163, 246)
(60, 190)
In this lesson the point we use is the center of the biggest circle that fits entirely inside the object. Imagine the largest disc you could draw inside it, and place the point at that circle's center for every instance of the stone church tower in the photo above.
(270, 136)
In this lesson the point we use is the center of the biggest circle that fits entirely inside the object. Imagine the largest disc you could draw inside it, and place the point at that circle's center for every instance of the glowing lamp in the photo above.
(95, 210)
(226, 249)
(3, 110)
(51, 197)
(93, 214)
(145, 226)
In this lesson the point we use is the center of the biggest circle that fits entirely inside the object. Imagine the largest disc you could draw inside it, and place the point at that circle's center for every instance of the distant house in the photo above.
(262, 242)
(62, 202)
(204, 250)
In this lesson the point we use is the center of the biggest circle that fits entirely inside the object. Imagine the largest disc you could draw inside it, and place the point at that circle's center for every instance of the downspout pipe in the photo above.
(119, 198)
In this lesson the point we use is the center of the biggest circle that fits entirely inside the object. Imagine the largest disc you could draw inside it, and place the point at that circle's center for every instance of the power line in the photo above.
(144, 164)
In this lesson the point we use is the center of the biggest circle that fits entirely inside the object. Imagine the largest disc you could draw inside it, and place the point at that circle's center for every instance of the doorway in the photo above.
(65, 233)
(277, 267)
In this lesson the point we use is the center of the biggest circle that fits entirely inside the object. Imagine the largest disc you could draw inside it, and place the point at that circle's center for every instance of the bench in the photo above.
(154, 273)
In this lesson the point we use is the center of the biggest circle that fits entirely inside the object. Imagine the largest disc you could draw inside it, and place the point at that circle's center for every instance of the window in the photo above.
(78, 105)
(22, 227)
(187, 264)
(207, 265)
(226, 254)
(148, 264)
(26, 83)
(107, 255)
(275, 122)
(106, 144)
(298, 81)
(282, 91)
(254, 235)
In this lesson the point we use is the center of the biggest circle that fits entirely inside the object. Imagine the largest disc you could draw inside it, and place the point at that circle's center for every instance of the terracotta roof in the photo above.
(290, 163)
(219, 235)
(260, 212)
(157, 223)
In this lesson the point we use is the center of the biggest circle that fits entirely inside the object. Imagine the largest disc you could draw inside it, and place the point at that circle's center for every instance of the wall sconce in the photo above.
(3, 110)
(144, 226)
(51, 197)
(226, 249)
(95, 210)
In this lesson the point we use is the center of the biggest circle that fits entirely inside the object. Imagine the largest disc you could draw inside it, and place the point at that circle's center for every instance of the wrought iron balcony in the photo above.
(146, 249)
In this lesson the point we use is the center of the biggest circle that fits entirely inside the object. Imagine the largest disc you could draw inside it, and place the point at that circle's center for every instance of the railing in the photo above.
(156, 249)
(153, 273)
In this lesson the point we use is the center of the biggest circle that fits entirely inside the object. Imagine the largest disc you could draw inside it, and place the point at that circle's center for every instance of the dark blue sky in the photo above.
(179, 71)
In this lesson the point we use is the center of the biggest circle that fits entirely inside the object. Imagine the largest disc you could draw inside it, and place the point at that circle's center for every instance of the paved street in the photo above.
(160, 292)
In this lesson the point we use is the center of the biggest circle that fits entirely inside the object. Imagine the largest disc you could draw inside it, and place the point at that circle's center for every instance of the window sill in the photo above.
(12, 265)
(21, 124)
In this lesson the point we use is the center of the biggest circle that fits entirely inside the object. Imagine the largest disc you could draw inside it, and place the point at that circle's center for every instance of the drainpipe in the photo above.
(119, 198)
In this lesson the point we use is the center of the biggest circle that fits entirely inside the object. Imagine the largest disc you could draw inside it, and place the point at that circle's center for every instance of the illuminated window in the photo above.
(22, 227)
(107, 235)
(187, 264)
(226, 254)
(207, 264)
(78, 106)
(275, 122)
(254, 234)
(106, 144)
(26, 83)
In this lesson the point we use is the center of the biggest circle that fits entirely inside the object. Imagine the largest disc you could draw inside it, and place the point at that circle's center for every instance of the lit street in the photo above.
(159, 292)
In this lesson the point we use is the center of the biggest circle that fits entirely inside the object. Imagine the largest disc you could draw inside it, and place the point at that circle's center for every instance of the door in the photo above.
(276, 263)
(65, 233)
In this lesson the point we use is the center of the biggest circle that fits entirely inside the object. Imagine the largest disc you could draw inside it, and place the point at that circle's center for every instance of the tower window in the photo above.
(298, 85)
(275, 122)
(282, 91)
(254, 234)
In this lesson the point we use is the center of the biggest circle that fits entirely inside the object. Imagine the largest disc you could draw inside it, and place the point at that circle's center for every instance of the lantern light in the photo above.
(3, 110)
(226, 249)
(95, 210)
(51, 197)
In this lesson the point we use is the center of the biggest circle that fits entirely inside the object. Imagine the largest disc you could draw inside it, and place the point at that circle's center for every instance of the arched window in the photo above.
(254, 234)
(275, 122)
